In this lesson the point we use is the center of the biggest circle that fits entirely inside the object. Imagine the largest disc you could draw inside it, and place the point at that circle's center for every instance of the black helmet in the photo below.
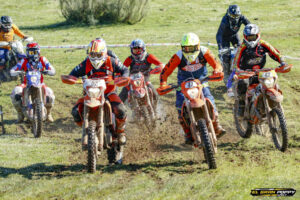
(234, 12)
(138, 49)
(251, 35)
(6, 23)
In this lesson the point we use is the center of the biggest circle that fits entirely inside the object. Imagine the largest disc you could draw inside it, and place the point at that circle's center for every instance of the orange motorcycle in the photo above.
(263, 105)
(141, 99)
(98, 118)
(198, 114)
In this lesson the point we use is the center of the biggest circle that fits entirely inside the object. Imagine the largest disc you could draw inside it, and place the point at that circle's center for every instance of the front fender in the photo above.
(274, 95)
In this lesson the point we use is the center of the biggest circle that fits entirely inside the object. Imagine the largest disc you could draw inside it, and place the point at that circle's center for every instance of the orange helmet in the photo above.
(97, 52)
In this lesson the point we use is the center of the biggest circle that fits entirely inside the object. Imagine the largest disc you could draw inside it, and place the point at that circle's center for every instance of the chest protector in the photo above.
(106, 70)
(196, 70)
(253, 56)
(139, 66)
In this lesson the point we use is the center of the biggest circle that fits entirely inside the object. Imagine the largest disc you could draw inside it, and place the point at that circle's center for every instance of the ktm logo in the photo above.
(192, 68)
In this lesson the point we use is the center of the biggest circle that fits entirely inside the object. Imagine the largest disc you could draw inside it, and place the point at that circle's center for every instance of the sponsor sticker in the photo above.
(273, 192)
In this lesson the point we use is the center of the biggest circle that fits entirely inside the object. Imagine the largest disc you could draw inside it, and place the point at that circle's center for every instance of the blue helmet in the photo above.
(138, 49)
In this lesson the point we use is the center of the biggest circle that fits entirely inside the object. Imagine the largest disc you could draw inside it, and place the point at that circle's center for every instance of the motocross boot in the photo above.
(49, 116)
(120, 124)
(188, 139)
(219, 130)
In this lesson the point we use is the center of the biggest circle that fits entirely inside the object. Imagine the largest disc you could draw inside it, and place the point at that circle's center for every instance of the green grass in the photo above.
(53, 167)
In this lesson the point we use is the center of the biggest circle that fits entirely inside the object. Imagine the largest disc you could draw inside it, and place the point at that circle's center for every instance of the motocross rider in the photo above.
(7, 32)
(252, 53)
(100, 64)
(191, 63)
(32, 61)
(141, 61)
(228, 33)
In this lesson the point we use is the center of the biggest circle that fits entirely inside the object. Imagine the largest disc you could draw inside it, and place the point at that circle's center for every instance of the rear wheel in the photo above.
(279, 130)
(37, 121)
(207, 144)
(243, 127)
(92, 148)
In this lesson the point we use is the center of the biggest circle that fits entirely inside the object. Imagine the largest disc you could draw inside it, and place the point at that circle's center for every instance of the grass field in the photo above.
(157, 165)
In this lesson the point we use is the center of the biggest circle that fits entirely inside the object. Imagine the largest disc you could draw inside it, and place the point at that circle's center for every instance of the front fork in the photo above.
(268, 110)
(28, 100)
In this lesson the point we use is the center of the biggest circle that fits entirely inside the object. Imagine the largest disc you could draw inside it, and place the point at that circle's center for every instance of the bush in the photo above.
(103, 11)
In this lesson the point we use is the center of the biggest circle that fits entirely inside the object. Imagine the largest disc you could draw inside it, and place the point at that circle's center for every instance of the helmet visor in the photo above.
(190, 49)
(251, 38)
(32, 52)
(234, 16)
(137, 50)
(96, 54)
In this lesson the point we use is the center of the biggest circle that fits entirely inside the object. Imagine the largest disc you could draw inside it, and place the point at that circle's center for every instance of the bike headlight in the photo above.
(193, 93)
(269, 82)
(137, 83)
(94, 92)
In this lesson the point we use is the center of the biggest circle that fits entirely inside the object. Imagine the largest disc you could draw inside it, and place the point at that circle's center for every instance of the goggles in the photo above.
(96, 54)
(6, 25)
(251, 38)
(137, 50)
(234, 16)
(32, 52)
(190, 49)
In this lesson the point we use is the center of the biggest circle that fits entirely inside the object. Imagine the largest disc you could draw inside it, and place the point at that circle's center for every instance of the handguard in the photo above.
(165, 89)
(121, 81)
(216, 77)
(156, 70)
(68, 79)
(284, 69)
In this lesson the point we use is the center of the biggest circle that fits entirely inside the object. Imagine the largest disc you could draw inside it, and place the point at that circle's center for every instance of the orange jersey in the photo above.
(9, 36)
(196, 69)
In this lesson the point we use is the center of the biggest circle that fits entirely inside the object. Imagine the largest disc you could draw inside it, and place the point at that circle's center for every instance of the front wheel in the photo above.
(37, 121)
(207, 145)
(279, 129)
(243, 127)
(92, 147)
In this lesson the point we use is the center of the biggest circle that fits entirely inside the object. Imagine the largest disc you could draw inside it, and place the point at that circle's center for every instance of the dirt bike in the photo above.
(98, 119)
(14, 56)
(263, 105)
(33, 100)
(198, 114)
(140, 99)
(227, 56)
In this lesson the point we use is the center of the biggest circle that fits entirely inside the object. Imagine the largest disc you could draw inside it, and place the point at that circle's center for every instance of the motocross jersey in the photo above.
(228, 30)
(107, 70)
(143, 66)
(196, 69)
(246, 57)
(9, 36)
(43, 64)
